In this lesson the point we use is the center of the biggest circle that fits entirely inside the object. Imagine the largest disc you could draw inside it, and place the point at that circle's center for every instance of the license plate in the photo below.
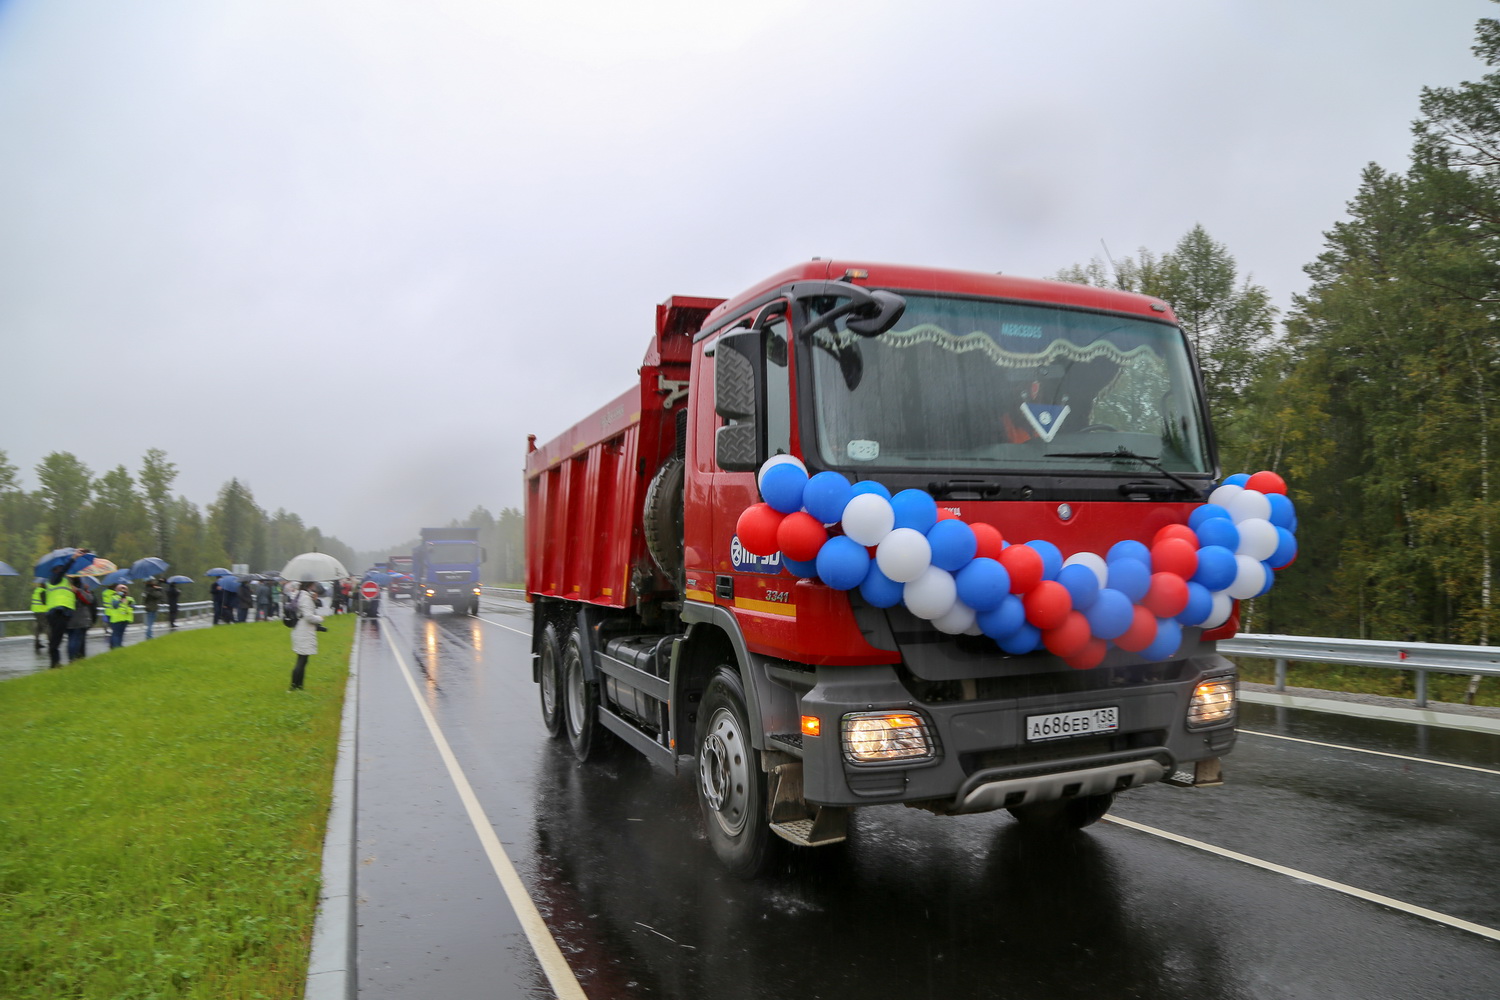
(1061, 725)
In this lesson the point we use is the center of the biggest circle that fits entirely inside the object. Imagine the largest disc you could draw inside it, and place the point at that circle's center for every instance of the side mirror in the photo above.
(882, 313)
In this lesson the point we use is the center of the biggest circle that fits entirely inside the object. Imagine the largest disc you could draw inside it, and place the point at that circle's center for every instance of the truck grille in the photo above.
(1048, 682)
(454, 576)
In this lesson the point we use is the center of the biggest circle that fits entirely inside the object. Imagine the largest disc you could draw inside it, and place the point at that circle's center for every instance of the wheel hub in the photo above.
(723, 771)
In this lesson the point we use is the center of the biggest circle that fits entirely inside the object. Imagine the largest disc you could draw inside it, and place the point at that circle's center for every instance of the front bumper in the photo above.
(982, 759)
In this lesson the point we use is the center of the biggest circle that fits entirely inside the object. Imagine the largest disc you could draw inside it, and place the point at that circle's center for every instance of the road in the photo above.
(1343, 858)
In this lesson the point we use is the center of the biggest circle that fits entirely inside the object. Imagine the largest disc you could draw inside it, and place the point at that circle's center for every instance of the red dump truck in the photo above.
(1055, 431)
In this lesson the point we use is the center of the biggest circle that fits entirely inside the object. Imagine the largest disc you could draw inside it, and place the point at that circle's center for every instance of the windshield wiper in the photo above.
(1124, 452)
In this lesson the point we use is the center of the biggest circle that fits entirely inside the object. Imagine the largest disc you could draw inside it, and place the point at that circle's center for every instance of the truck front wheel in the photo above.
(1065, 814)
(731, 785)
(549, 679)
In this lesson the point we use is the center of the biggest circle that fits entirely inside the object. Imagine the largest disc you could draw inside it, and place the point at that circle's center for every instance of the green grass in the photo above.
(162, 815)
(1370, 680)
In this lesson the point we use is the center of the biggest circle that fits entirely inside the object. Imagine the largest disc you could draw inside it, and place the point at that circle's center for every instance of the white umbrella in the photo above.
(311, 566)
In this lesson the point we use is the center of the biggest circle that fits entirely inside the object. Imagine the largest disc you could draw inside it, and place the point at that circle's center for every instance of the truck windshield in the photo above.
(448, 553)
(984, 385)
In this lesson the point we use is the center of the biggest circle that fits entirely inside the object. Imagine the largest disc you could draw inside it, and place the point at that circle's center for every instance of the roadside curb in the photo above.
(1373, 707)
(331, 964)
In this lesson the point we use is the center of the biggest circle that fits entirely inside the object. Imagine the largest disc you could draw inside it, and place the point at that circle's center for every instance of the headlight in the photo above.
(873, 737)
(431, 593)
(1213, 701)
(476, 591)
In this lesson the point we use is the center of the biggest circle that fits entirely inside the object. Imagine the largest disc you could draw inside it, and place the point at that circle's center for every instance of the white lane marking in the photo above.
(559, 973)
(1377, 753)
(1349, 890)
(491, 621)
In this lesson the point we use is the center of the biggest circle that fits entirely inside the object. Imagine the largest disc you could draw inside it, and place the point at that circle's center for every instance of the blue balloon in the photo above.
(808, 569)
(1216, 567)
(1168, 640)
(1129, 550)
(1238, 479)
(826, 495)
(1283, 512)
(870, 486)
(1270, 580)
(914, 509)
(1111, 614)
(842, 562)
(1130, 577)
(1219, 532)
(1199, 606)
(782, 487)
(1207, 512)
(1052, 560)
(1004, 619)
(953, 545)
(1286, 549)
(880, 590)
(983, 584)
(1082, 585)
(1022, 640)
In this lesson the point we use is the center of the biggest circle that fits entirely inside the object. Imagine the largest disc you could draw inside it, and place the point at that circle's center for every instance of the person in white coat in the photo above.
(305, 632)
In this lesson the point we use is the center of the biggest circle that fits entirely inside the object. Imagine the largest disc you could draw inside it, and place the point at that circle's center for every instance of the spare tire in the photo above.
(662, 516)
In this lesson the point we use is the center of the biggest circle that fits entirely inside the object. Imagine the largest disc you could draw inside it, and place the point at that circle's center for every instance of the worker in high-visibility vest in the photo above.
(119, 607)
(39, 611)
(61, 599)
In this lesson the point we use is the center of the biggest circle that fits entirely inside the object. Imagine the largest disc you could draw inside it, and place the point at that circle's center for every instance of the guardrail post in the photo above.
(1280, 674)
(1421, 688)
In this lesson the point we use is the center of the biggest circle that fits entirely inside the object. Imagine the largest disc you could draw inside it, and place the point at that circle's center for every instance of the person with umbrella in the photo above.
(61, 600)
(151, 601)
(305, 632)
(119, 607)
(174, 595)
(39, 610)
(85, 613)
(216, 594)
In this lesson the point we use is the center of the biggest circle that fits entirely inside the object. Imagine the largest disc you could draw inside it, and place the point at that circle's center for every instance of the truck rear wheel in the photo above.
(549, 680)
(732, 789)
(1064, 814)
(580, 702)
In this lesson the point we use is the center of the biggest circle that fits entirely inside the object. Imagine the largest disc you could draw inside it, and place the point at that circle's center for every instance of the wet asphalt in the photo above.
(613, 856)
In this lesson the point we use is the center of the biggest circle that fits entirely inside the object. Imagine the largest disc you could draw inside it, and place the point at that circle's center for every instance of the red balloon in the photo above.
(1167, 596)
(1048, 604)
(989, 541)
(1266, 482)
(1024, 564)
(800, 536)
(1070, 637)
(1089, 657)
(1175, 555)
(1181, 531)
(1142, 631)
(757, 529)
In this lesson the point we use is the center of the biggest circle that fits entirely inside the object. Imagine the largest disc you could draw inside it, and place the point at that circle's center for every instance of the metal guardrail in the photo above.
(186, 609)
(1419, 657)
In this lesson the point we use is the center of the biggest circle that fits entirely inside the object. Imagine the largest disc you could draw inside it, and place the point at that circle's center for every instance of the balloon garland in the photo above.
(966, 579)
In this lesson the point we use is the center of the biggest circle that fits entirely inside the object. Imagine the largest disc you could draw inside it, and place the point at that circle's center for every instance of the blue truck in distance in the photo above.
(446, 568)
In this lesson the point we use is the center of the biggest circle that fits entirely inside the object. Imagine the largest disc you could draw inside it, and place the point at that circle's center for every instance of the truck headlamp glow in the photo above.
(476, 591)
(1213, 701)
(876, 737)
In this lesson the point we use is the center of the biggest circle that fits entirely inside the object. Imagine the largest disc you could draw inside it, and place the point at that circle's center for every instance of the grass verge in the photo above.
(1369, 680)
(163, 818)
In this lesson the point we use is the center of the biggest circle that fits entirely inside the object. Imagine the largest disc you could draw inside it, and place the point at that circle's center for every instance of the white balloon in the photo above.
(774, 461)
(1258, 538)
(903, 555)
(1094, 562)
(958, 621)
(931, 595)
(868, 518)
(1224, 494)
(974, 629)
(1247, 505)
(1223, 607)
(1249, 581)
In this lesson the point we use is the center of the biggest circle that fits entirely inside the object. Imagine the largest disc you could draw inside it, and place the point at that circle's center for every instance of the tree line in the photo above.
(125, 517)
(1377, 399)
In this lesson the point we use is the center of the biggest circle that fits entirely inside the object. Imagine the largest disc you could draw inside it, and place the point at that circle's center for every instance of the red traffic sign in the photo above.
(369, 590)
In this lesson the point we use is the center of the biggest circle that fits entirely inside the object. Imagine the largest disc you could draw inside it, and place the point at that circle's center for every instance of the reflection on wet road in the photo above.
(614, 857)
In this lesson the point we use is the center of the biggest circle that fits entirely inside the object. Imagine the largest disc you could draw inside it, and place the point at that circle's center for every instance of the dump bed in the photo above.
(585, 488)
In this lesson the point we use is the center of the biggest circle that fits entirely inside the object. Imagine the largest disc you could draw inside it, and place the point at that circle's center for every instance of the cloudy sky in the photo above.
(352, 253)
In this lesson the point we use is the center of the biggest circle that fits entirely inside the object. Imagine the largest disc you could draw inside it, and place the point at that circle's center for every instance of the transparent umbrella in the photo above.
(313, 566)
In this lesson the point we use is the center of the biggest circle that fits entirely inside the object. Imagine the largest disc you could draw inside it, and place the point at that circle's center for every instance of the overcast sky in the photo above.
(352, 253)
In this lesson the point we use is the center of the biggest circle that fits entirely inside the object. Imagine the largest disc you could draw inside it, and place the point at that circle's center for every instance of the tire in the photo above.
(732, 788)
(1065, 814)
(549, 680)
(580, 703)
(662, 516)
